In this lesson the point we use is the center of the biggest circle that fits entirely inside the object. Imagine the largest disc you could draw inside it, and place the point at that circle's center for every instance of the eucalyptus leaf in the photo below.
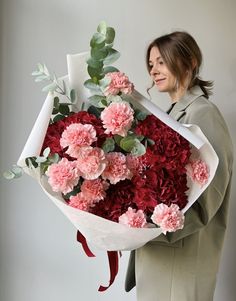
(112, 56)
(96, 64)
(9, 175)
(97, 39)
(99, 54)
(102, 103)
(138, 149)
(46, 152)
(58, 117)
(95, 100)
(54, 158)
(73, 96)
(110, 35)
(114, 98)
(95, 111)
(40, 67)
(108, 145)
(64, 109)
(50, 87)
(40, 159)
(118, 138)
(102, 27)
(109, 69)
(91, 85)
(31, 161)
(56, 102)
(150, 141)
(127, 143)
(36, 73)
(95, 73)
(139, 115)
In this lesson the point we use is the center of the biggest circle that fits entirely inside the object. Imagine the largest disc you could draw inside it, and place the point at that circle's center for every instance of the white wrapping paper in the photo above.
(102, 233)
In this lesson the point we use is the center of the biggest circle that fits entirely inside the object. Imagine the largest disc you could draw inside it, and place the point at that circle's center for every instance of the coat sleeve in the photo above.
(212, 124)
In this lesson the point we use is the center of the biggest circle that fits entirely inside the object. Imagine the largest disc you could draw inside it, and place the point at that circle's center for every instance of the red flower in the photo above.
(55, 130)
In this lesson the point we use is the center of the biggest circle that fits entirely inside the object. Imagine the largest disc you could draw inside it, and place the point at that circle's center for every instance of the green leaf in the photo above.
(139, 115)
(64, 109)
(89, 84)
(108, 145)
(99, 54)
(102, 27)
(109, 69)
(50, 87)
(40, 159)
(95, 64)
(73, 96)
(150, 141)
(112, 56)
(31, 161)
(54, 158)
(36, 73)
(15, 172)
(114, 98)
(95, 111)
(127, 143)
(46, 152)
(102, 103)
(95, 73)
(97, 39)
(138, 149)
(118, 138)
(96, 99)
(40, 67)
(110, 35)
(56, 101)
(9, 175)
(58, 117)
(41, 78)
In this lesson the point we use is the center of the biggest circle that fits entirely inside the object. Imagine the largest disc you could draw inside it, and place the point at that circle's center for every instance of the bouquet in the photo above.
(118, 167)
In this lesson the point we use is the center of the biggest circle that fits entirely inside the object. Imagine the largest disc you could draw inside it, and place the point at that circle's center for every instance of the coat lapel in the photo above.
(191, 95)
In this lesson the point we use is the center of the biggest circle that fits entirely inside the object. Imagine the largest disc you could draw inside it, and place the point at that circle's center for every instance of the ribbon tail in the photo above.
(113, 257)
(82, 240)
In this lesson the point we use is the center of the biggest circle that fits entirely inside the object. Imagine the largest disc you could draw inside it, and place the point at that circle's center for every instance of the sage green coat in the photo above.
(182, 266)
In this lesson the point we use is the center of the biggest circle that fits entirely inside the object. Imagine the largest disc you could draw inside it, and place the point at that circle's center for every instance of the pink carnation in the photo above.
(94, 190)
(79, 201)
(198, 171)
(116, 169)
(133, 218)
(63, 176)
(135, 164)
(168, 218)
(91, 162)
(117, 118)
(119, 83)
(77, 135)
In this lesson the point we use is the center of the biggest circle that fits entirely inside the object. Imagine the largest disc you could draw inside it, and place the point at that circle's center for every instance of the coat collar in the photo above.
(189, 97)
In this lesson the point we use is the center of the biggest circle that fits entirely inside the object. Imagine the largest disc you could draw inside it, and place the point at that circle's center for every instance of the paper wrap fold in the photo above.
(102, 233)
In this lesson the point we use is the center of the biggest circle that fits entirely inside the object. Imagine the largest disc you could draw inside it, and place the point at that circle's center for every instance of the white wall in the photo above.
(40, 259)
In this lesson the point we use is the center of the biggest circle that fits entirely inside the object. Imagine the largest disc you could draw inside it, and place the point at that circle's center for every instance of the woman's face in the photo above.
(161, 76)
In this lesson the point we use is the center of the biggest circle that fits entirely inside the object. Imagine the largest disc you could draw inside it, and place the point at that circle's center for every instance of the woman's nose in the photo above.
(154, 70)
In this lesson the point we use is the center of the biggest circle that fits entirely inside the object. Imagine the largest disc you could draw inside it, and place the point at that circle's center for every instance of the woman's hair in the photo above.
(181, 54)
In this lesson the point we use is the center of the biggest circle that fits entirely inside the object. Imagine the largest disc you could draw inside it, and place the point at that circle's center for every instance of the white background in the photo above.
(40, 258)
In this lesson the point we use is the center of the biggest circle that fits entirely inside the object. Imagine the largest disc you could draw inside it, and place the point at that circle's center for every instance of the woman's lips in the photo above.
(158, 81)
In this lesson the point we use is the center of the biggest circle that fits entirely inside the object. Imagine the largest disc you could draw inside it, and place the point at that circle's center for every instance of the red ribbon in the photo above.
(113, 258)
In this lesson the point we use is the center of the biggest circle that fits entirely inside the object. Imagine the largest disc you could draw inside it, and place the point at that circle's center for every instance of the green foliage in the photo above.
(102, 54)
(108, 145)
(13, 173)
(60, 110)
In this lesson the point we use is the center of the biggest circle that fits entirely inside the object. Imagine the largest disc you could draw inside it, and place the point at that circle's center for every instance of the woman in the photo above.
(182, 266)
